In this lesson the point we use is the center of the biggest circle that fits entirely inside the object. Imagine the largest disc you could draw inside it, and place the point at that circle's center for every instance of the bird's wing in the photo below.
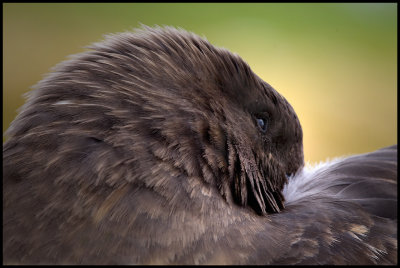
(344, 212)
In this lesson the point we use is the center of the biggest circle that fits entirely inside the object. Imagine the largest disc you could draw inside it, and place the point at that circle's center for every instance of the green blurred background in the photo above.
(335, 63)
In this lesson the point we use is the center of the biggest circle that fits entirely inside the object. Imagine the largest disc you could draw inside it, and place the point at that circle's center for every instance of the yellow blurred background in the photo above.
(335, 63)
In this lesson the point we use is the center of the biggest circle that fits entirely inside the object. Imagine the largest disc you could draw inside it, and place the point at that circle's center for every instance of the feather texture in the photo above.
(146, 150)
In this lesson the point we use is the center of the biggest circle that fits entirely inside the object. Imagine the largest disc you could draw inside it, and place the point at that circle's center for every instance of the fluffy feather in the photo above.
(146, 150)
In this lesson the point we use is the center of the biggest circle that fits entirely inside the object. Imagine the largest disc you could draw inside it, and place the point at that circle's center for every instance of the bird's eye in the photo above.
(262, 124)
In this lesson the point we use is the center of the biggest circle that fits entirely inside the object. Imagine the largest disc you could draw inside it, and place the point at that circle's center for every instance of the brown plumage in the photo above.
(156, 147)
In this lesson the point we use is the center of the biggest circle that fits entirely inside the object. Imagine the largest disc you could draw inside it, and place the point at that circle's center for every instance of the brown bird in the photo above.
(156, 147)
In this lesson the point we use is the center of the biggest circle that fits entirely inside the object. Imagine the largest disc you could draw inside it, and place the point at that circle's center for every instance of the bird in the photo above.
(156, 147)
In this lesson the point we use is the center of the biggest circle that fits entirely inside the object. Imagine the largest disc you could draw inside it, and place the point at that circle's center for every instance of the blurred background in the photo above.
(335, 63)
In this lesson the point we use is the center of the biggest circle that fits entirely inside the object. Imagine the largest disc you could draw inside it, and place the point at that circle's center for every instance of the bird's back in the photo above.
(344, 212)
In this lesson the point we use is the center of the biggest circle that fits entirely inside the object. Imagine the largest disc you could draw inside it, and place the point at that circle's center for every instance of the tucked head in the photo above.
(165, 99)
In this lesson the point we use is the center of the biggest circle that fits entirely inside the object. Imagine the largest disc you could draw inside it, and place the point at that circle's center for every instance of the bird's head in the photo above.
(210, 116)
(166, 103)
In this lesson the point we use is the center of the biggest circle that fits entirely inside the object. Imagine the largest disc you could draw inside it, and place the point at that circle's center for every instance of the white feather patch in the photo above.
(301, 184)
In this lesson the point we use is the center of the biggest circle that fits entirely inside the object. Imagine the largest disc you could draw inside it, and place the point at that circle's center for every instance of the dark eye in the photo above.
(262, 124)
